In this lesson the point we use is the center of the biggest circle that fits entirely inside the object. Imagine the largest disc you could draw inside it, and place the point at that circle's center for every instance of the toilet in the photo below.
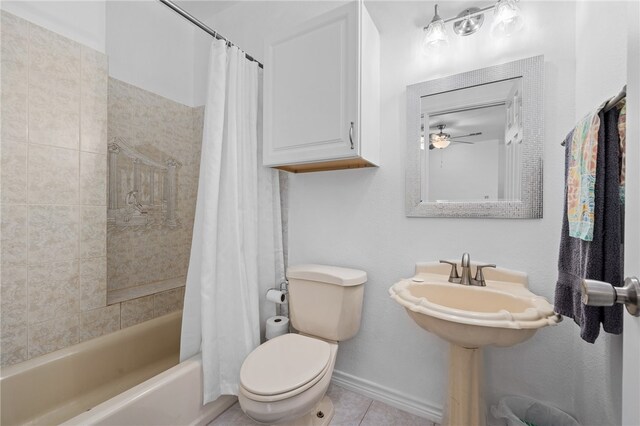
(285, 379)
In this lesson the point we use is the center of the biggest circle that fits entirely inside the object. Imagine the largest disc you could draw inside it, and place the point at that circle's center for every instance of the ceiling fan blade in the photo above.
(464, 136)
(467, 142)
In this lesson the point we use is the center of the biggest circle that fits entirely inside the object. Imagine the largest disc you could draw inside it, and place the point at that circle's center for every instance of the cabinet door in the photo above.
(311, 90)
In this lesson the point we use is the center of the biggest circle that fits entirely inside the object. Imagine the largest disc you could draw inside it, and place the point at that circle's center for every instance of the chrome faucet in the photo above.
(465, 278)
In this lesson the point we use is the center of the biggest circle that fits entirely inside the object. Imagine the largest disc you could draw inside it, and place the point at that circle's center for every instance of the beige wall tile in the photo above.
(13, 296)
(54, 290)
(93, 283)
(93, 114)
(52, 335)
(13, 345)
(159, 128)
(53, 175)
(53, 233)
(14, 50)
(93, 231)
(93, 179)
(119, 111)
(54, 89)
(135, 311)
(54, 95)
(13, 172)
(13, 234)
(97, 322)
(167, 301)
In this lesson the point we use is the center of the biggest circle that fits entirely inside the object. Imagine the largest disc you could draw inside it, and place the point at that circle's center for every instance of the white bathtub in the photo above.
(130, 377)
(171, 398)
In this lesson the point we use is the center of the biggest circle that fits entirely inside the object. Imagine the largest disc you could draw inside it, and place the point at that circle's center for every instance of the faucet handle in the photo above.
(480, 276)
(454, 269)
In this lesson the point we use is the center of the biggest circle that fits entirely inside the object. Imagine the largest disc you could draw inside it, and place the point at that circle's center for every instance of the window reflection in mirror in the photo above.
(471, 143)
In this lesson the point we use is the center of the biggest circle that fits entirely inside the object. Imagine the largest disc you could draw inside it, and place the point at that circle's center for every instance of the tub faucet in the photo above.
(465, 278)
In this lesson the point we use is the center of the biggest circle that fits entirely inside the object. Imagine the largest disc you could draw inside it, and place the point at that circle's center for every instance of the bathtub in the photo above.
(130, 377)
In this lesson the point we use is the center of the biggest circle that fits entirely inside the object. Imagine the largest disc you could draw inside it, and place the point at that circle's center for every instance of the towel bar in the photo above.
(612, 102)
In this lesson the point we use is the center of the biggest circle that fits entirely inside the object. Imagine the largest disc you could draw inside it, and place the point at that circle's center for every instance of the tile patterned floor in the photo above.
(351, 409)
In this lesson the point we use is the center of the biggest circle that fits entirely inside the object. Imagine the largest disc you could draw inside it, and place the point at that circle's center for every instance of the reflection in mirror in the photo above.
(474, 143)
(470, 143)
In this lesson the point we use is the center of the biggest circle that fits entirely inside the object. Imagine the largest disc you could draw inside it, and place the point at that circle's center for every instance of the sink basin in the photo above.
(499, 314)
(503, 313)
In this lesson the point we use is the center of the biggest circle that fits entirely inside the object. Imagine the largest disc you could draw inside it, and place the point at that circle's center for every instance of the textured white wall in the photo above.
(601, 53)
(356, 218)
(81, 21)
(152, 47)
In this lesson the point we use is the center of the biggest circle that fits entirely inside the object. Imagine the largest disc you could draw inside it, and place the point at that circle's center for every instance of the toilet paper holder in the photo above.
(284, 287)
(281, 309)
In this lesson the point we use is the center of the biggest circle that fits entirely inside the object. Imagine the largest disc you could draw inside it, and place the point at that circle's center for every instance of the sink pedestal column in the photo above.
(465, 402)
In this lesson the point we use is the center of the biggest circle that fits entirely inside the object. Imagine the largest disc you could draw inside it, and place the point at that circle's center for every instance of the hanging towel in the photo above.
(622, 131)
(599, 258)
(582, 176)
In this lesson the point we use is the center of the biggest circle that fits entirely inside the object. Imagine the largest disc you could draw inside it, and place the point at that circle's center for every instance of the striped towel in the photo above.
(581, 178)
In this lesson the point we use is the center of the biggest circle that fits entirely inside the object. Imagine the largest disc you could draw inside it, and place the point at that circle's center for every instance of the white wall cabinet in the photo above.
(322, 93)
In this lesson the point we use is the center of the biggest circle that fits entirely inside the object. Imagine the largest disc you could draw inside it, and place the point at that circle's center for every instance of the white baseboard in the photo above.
(392, 397)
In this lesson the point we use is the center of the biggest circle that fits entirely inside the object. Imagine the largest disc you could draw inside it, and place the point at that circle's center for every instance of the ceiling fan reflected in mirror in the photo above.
(442, 140)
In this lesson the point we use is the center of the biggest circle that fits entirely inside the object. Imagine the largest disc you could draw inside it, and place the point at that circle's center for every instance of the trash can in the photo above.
(523, 411)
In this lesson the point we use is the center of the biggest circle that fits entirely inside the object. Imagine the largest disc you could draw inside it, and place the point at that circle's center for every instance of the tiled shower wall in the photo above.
(53, 272)
(159, 129)
(54, 115)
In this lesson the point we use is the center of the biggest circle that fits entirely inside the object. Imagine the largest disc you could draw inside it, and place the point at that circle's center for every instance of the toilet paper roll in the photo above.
(276, 296)
(276, 326)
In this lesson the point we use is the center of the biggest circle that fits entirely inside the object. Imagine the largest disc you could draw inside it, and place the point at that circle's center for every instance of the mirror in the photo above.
(474, 143)
(470, 148)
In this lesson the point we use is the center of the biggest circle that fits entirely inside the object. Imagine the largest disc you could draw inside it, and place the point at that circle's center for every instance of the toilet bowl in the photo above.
(285, 379)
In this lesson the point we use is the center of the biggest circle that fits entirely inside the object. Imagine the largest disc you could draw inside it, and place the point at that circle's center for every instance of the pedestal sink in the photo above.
(503, 313)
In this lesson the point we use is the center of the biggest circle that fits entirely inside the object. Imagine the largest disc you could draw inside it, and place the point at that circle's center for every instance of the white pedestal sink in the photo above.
(503, 313)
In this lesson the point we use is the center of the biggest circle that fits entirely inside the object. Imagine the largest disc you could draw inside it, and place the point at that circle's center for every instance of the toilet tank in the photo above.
(326, 301)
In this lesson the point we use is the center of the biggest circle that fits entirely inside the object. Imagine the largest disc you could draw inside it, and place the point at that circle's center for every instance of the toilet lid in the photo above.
(284, 364)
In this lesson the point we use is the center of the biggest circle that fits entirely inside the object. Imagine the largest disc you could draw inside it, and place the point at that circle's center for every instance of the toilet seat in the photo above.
(284, 367)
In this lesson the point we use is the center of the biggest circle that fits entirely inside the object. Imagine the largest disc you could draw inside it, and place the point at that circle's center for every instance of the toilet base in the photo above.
(320, 416)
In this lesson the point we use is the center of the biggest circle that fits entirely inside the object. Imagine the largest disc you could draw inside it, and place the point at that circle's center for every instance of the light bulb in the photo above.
(435, 34)
(440, 141)
(507, 19)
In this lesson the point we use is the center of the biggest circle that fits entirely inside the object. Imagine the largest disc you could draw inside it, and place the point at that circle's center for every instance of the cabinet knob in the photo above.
(351, 134)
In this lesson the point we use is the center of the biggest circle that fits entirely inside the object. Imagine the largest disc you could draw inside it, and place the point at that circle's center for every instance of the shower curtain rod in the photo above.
(189, 17)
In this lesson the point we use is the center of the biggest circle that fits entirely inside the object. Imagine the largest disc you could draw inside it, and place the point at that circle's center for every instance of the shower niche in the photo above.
(142, 189)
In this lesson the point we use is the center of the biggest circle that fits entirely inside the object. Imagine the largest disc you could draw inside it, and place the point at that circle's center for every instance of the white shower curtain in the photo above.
(236, 251)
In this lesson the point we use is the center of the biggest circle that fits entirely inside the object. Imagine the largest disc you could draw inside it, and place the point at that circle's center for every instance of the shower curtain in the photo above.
(236, 251)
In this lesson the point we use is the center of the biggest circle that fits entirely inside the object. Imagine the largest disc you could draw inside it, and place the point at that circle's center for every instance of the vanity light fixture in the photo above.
(469, 23)
(435, 34)
(507, 20)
